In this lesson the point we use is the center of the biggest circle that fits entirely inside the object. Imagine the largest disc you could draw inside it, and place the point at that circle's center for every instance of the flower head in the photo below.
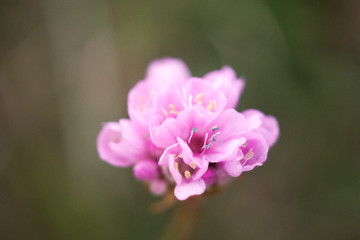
(184, 133)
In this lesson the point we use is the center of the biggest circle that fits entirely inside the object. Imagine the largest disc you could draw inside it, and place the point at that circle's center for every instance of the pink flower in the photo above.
(163, 74)
(226, 81)
(119, 144)
(183, 132)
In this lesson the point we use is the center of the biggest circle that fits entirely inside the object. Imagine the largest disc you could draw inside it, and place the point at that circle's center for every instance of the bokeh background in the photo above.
(66, 67)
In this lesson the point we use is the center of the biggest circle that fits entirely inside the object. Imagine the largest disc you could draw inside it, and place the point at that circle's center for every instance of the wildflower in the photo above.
(184, 133)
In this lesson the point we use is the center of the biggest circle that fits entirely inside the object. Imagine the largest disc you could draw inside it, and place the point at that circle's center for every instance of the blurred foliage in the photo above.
(66, 66)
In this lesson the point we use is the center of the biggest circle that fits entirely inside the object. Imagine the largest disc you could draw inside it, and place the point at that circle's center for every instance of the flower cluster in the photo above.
(184, 133)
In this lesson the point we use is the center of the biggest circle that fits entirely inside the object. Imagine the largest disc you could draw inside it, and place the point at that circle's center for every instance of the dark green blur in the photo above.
(66, 67)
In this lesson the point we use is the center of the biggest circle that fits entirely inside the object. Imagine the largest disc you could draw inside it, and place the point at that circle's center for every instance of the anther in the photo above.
(192, 165)
(195, 129)
(249, 155)
(176, 166)
(187, 174)
(199, 97)
(211, 106)
(173, 109)
(165, 112)
(214, 128)
(207, 146)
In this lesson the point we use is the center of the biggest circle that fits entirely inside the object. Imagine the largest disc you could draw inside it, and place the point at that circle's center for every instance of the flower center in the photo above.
(199, 144)
(185, 170)
(200, 99)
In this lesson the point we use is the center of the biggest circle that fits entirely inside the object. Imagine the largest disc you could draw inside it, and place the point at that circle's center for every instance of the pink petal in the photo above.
(259, 149)
(200, 93)
(231, 123)
(166, 72)
(140, 105)
(224, 151)
(191, 188)
(167, 159)
(233, 168)
(226, 81)
(163, 133)
(146, 170)
(269, 127)
(119, 144)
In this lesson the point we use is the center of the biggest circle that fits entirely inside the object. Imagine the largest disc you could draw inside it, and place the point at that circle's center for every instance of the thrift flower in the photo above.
(184, 134)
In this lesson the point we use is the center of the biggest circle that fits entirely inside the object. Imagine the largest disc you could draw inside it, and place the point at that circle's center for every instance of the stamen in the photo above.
(195, 129)
(245, 144)
(180, 156)
(187, 174)
(192, 165)
(174, 112)
(211, 106)
(213, 136)
(249, 154)
(207, 146)
(165, 112)
(214, 128)
(174, 155)
(176, 166)
(173, 109)
(199, 97)
(206, 136)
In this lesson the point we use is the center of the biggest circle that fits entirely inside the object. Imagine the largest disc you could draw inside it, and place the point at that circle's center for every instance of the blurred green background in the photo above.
(66, 66)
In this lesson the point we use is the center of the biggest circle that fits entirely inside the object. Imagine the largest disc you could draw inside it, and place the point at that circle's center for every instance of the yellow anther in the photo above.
(211, 106)
(187, 174)
(172, 107)
(176, 165)
(199, 99)
(249, 155)
(200, 96)
(174, 155)
(180, 156)
(165, 112)
(192, 165)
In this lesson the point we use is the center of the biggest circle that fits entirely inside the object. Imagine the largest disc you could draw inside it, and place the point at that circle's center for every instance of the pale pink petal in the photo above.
(191, 188)
(255, 151)
(200, 93)
(226, 81)
(119, 144)
(230, 123)
(146, 170)
(233, 168)
(169, 103)
(163, 133)
(167, 159)
(140, 105)
(269, 127)
(166, 72)
(224, 151)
